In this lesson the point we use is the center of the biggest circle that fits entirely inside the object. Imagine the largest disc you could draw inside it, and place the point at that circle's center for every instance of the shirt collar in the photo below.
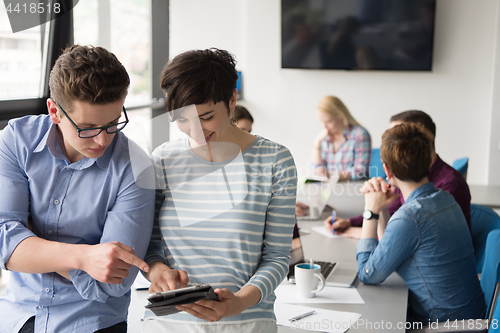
(425, 189)
(347, 132)
(50, 140)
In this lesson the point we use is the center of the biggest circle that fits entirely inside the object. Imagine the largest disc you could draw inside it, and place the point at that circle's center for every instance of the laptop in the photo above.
(337, 274)
(314, 195)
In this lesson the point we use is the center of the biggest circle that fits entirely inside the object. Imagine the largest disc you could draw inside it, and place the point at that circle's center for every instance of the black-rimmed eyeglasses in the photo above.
(86, 133)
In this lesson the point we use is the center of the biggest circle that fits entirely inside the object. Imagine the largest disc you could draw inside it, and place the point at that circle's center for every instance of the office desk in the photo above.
(383, 303)
(486, 195)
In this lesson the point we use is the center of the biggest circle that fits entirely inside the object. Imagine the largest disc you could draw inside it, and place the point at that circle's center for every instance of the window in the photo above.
(124, 28)
(21, 59)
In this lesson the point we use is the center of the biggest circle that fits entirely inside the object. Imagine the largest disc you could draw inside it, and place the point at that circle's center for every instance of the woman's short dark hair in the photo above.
(240, 112)
(199, 77)
(406, 150)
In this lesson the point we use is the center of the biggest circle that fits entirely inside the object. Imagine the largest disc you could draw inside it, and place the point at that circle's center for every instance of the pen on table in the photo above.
(299, 317)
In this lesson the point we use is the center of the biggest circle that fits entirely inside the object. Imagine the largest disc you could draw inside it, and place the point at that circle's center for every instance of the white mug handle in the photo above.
(322, 282)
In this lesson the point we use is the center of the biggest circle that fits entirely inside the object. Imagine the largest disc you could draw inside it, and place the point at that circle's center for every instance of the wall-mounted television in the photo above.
(358, 34)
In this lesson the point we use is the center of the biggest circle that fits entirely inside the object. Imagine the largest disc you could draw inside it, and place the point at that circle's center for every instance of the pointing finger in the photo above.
(134, 260)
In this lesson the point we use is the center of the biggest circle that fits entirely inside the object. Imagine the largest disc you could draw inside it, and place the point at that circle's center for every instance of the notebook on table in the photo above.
(337, 274)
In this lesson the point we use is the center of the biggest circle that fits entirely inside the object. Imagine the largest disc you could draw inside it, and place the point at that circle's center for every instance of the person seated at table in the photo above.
(242, 118)
(441, 174)
(342, 147)
(439, 270)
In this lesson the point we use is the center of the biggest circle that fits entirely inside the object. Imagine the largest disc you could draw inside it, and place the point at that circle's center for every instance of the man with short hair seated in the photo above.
(426, 241)
(442, 175)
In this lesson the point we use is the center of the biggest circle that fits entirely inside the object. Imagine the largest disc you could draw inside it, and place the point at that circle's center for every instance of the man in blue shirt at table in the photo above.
(73, 221)
(426, 241)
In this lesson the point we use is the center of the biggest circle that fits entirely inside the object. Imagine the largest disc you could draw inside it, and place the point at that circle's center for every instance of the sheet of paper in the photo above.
(140, 282)
(323, 320)
(321, 229)
(287, 293)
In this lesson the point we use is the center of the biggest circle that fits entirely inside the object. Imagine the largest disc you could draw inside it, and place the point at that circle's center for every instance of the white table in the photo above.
(385, 303)
(486, 195)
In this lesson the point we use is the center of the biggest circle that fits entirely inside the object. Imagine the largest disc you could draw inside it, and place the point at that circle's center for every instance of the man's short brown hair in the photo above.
(87, 74)
(416, 116)
(406, 150)
(199, 77)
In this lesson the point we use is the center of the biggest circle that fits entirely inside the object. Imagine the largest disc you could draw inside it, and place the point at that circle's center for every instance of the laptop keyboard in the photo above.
(326, 267)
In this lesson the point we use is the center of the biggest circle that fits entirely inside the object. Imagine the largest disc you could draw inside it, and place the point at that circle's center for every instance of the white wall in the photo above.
(460, 93)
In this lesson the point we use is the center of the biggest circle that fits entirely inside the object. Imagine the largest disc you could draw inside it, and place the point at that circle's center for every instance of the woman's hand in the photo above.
(378, 195)
(163, 278)
(300, 209)
(229, 304)
(319, 138)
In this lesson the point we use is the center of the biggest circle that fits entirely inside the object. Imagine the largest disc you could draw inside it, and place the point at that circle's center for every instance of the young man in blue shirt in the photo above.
(74, 224)
(426, 241)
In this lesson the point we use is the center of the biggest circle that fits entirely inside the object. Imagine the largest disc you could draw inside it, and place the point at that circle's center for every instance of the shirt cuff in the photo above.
(87, 286)
(366, 245)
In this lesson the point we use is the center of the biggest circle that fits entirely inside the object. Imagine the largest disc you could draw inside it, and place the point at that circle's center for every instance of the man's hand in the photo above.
(338, 226)
(110, 262)
(300, 209)
(163, 278)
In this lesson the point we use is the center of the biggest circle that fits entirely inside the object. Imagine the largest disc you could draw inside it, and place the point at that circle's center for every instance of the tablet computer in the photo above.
(163, 303)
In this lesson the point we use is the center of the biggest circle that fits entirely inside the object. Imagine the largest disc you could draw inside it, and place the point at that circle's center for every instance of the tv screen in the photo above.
(358, 34)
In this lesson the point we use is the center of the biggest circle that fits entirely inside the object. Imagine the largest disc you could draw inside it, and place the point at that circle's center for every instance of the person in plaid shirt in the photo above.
(343, 146)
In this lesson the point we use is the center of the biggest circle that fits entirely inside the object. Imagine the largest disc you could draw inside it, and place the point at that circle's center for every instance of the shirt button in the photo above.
(367, 270)
(47, 290)
(40, 307)
(50, 232)
(56, 202)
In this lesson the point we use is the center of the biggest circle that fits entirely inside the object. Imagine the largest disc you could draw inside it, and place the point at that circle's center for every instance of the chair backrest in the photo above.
(376, 168)
(490, 276)
(461, 165)
(494, 317)
(483, 220)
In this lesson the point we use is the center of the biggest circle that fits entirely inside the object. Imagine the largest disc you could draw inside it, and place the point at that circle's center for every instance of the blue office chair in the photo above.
(490, 280)
(461, 165)
(490, 284)
(376, 168)
(483, 221)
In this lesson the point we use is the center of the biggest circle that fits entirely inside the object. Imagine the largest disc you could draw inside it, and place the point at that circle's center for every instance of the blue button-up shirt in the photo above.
(90, 201)
(427, 242)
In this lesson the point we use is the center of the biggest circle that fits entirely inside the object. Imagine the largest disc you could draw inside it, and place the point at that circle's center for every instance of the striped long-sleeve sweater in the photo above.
(228, 223)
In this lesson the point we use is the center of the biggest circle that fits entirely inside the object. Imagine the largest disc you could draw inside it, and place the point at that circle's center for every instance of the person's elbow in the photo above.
(368, 276)
(119, 290)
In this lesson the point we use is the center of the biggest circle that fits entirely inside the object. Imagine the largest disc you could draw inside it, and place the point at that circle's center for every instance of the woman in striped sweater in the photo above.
(225, 204)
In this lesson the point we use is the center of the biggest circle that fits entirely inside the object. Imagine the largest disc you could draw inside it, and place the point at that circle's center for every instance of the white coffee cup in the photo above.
(307, 278)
